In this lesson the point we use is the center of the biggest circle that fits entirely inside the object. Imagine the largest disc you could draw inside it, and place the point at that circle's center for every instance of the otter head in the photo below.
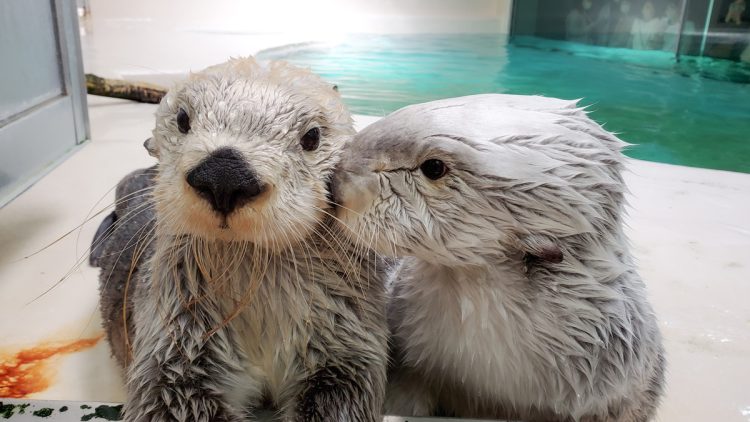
(246, 152)
(462, 184)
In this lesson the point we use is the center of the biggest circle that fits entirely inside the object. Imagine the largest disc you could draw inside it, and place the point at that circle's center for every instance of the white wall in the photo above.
(314, 17)
(138, 39)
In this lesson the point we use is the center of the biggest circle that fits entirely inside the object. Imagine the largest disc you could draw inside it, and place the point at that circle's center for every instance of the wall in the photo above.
(322, 16)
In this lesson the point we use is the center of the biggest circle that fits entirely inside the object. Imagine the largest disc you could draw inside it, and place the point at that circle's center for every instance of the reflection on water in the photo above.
(713, 28)
(689, 113)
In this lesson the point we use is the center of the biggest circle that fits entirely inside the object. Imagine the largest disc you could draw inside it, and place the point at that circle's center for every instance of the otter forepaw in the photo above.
(195, 411)
(333, 396)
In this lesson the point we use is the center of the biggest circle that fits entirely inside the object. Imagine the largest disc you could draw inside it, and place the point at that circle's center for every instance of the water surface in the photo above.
(695, 112)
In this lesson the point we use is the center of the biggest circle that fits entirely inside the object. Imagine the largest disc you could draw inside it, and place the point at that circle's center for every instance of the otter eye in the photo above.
(433, 169)
(183, 121)
(311, 139)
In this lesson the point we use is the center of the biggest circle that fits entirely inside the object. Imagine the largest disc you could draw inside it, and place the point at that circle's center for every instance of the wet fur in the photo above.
(121, 246)
(277, 310)
(517, 296)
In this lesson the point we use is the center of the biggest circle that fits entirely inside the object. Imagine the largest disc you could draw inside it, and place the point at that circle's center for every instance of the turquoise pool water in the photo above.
(694, 113)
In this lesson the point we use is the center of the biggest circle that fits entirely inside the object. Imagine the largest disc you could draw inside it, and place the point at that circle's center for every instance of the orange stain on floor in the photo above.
(28, 371)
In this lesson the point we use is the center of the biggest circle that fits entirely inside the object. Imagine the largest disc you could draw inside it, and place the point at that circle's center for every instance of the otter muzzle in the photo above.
(225, 180)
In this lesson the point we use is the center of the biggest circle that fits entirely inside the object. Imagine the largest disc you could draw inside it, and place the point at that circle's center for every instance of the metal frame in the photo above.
(683, 13)
(66, 21)
(64, 111)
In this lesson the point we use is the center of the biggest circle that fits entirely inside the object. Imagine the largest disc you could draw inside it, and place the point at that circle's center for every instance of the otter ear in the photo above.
(150, 146)
(541, 248)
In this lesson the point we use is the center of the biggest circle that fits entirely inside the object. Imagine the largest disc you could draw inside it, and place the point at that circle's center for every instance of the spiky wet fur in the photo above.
(479, 328)
(310, 337)
(276, 310)
(122, 245)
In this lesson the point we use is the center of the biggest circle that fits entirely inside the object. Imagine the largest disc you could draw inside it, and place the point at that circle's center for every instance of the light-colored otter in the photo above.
(517, 296)
(249, 299)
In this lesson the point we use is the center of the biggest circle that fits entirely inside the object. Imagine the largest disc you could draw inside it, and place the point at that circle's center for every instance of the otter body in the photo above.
(517, 296)
(310, 343)
(246, 297)
(121, 246)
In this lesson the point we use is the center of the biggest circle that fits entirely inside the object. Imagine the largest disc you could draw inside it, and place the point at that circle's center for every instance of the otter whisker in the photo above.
(135, 259)
(338, 248)
(338, 205)
(290, 249)
(245, 300)
(125, 198)
(122, 221)
(350, 271)
(142, 243)
(66, 234)
(219, 282)
(75, 266)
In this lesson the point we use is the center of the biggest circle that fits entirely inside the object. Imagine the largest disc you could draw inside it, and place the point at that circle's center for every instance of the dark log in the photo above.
(116, 88)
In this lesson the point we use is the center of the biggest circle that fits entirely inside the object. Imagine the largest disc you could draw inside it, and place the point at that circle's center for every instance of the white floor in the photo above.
(689, 228)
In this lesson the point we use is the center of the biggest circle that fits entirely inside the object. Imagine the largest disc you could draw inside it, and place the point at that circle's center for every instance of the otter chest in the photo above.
(274, 331)
(469, 331)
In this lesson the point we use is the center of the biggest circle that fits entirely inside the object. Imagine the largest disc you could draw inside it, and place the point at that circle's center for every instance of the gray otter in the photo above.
(517, 296)
(121, 247)
(245, 296)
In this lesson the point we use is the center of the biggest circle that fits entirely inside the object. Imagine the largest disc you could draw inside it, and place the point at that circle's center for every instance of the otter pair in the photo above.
(516, 297)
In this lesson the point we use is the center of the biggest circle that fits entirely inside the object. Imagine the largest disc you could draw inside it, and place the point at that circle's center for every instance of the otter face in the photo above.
(405, 195)
(246, 153)
(461, 181)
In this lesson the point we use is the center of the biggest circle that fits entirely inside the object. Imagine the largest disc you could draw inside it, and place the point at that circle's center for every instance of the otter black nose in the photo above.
(225, 180)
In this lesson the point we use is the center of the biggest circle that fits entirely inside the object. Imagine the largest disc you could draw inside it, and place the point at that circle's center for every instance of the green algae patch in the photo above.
(6, 410)
(110, 413)
(85, 406)
(43, 412)
(64, 409)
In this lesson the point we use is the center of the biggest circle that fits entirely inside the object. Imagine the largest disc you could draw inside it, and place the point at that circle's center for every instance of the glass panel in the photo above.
(27, 35)
(727, 25)
(642, 25)
(692, 30)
